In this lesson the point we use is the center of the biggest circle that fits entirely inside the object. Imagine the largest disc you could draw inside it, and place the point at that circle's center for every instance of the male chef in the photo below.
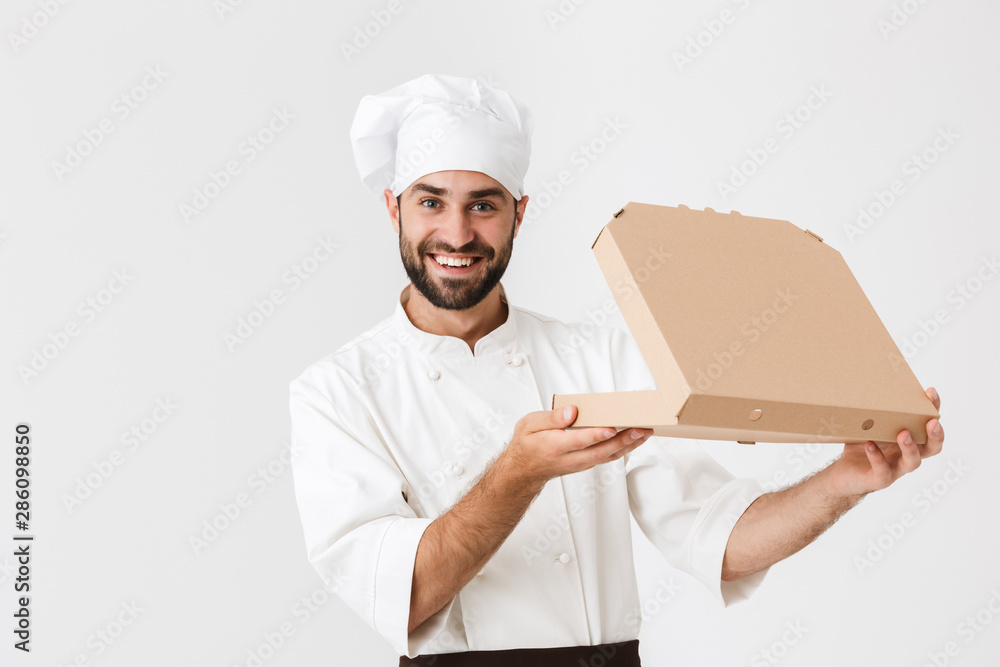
(442, 500)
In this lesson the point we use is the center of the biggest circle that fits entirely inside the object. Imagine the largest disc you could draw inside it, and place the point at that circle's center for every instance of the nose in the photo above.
(456, 227)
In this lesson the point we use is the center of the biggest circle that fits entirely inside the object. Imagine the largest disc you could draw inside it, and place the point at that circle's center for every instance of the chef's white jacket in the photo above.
(392, 429)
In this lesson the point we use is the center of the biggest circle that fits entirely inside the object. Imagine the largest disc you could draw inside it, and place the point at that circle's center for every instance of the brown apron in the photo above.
(624, 654)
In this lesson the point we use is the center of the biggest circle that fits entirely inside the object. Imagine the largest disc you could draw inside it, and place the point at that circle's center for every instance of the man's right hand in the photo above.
(541, 449)
(458, 543)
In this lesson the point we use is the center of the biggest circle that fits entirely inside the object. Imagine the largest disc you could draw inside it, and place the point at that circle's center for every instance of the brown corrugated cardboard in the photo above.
(753, 329)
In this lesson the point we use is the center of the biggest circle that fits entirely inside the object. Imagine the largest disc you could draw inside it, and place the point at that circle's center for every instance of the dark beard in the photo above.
(454, 293)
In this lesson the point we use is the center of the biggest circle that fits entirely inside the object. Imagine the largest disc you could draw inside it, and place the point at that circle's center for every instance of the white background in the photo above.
(687, 125)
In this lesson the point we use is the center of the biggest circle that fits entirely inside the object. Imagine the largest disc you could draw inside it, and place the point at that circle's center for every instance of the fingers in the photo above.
(935, 432)
(551, 428)
(935, 438)
(910, 456)
(579, 438)
(625, 450)
(881, 470)
(934, 396)
(604, 438)
(611, 448)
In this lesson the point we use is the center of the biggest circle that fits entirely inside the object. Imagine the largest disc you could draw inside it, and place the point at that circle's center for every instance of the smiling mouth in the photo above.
(454, 261)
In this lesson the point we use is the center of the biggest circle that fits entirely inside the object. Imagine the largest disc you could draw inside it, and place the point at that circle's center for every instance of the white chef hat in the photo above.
(440, 123)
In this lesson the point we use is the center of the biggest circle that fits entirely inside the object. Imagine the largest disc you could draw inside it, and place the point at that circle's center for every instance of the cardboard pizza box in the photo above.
(754, 330)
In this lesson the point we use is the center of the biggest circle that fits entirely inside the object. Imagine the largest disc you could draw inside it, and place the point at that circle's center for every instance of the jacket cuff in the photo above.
(393, 584)
(711, 535)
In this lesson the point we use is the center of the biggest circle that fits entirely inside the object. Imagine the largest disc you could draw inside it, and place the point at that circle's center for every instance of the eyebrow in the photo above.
(443, 192)
(487, 192)
(423, 187)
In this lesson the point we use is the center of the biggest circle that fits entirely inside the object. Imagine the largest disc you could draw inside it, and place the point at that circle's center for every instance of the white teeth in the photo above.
(453, 261)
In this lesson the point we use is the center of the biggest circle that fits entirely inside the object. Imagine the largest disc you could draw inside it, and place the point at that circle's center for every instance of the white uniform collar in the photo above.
(499, 341)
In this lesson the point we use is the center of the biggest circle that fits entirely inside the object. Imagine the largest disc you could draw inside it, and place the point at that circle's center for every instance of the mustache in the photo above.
(470, 248)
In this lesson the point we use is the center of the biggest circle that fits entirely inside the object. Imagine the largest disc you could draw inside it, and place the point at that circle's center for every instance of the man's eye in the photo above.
(429, 203)
(486, 206)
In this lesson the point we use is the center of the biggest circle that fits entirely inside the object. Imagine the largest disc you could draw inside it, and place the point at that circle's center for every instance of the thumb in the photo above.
(566, 416)
(545, 420)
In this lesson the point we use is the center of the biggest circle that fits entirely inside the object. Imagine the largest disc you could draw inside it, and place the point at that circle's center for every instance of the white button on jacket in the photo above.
(380, 451)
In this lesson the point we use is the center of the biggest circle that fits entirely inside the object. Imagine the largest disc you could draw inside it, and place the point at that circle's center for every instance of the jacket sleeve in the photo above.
(681, 498)
(361, 535)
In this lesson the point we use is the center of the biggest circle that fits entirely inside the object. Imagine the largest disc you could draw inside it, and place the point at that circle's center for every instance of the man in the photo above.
(442, 500)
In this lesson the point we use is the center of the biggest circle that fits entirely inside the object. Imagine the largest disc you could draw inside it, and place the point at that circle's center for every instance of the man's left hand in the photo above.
(866, 467)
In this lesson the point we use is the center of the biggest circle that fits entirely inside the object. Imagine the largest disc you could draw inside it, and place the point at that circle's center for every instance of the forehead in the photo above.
(458, 185)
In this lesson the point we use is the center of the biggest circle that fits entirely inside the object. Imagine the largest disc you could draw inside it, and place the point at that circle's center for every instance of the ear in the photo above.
(392, 206)
(522, 206)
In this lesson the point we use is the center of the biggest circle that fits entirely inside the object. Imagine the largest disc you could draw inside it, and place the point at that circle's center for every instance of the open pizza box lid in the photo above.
(754, 330)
